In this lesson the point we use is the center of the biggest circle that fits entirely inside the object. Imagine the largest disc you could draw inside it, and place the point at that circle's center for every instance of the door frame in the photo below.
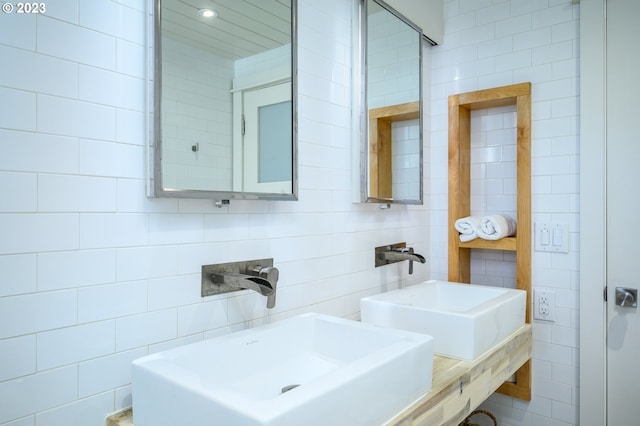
(593, 336)
(253, 81)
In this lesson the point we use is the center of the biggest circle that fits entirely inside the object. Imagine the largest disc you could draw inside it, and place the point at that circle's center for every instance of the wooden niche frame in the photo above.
(380, 142)
(460, 107)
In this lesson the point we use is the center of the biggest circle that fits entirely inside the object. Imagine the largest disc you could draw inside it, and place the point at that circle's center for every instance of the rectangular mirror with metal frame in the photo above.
(225, 107)
(391, 147)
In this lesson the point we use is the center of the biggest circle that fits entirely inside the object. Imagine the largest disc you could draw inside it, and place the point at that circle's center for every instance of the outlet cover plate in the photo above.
(544, 305)
(551, 237)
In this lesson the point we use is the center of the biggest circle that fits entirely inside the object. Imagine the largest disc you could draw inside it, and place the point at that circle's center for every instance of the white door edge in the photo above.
(593, 366)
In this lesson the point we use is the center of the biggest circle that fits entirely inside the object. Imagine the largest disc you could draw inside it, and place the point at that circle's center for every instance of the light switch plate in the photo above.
(551, 237)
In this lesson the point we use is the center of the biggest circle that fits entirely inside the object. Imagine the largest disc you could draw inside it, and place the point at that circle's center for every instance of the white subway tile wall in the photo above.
(94, 274)
(405, 159)
(497, 43)
(201, 78)
(493, 187)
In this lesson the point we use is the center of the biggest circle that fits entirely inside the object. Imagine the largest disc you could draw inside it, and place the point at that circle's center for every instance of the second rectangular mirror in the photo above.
(392, 70)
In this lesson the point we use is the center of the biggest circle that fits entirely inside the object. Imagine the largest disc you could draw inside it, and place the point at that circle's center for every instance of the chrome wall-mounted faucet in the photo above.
(398, 252)
(257, 275)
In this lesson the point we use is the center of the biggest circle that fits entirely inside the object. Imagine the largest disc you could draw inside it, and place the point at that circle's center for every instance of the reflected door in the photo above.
(267, 139)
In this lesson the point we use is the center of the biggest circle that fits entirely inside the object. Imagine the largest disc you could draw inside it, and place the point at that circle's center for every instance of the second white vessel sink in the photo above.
(465, 320)
(310, 369)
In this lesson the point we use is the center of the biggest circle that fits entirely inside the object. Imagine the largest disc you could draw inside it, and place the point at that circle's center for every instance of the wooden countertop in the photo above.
(458, 388)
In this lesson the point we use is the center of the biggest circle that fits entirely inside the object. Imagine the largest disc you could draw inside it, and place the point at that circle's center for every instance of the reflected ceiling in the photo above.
(242, 27)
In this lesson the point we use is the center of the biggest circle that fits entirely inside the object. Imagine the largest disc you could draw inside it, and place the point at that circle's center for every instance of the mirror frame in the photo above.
(156, 138)
(364, 107)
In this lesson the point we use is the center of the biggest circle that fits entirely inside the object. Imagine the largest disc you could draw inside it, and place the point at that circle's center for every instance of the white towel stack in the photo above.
(468, 228)
(491, 227)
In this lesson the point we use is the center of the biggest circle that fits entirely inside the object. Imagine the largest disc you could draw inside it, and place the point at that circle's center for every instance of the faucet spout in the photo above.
(397, 253)
(258, 275)
(237, 280)
(262, 279)
(404, 255)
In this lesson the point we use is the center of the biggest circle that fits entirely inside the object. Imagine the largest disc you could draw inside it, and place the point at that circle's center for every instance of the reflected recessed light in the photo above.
(207, 13)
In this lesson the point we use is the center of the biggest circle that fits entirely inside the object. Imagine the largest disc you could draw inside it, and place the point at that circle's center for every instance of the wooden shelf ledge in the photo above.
(508, 243)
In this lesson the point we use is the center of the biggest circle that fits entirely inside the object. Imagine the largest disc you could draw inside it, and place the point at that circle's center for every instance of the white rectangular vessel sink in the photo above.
(465, 320)
(310, 369)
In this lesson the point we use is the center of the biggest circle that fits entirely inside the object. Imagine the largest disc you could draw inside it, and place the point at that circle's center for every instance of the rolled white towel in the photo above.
(468, 228)
(496, 226)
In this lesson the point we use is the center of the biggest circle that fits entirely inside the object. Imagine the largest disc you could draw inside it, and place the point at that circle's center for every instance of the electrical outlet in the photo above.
(544, 305)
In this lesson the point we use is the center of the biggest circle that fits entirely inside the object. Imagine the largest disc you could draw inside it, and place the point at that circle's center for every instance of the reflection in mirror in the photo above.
(225, 91)
(393, 106)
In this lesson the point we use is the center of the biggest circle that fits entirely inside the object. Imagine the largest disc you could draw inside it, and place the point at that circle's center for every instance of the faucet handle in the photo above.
(269, 273)
(403, 249)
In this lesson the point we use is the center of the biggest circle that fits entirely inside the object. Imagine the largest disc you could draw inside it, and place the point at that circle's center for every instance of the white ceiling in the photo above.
(242, 27)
